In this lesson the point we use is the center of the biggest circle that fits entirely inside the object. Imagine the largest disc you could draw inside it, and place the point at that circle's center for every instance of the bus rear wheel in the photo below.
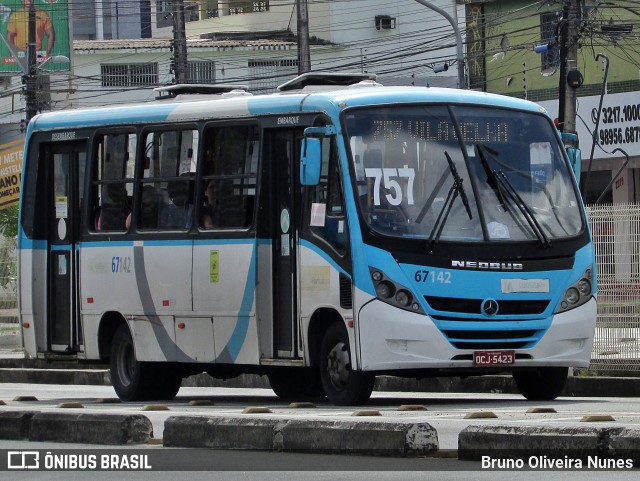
(543, 384)
(342, 385)
(139, 381)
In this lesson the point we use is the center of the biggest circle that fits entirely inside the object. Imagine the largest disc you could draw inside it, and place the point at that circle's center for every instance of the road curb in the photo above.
(95, 377)
(38, 372)
(318, 436)
(15, 425)
(112, 429)
(521, 442)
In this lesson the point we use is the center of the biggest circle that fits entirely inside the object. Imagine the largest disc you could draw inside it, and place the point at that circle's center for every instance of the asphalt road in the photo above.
(448, 413)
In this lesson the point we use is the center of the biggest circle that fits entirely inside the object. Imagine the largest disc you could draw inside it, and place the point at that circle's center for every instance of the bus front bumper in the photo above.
(391, 340)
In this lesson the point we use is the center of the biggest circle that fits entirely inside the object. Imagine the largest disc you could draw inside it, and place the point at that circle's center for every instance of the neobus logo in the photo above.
(492, 266)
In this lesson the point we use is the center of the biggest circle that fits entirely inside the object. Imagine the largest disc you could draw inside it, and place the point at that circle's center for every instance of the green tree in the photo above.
(9, 221)
(8, 259)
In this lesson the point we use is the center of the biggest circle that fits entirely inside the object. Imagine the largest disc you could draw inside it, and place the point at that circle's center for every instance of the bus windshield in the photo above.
(462, 173)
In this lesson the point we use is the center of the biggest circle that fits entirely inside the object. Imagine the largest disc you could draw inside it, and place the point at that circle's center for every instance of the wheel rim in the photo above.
(126, 363)
(338, 365)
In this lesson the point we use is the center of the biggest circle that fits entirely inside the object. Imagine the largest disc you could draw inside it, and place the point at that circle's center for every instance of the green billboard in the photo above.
(53, 45)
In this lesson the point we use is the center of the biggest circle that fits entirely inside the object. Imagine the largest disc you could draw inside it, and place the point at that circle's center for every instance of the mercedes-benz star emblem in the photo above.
(490, 307)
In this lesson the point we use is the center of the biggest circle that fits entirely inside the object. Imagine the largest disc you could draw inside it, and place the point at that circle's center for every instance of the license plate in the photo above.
(493, 358)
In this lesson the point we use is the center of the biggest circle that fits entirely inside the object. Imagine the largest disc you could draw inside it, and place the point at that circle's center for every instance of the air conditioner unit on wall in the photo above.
(385, 22)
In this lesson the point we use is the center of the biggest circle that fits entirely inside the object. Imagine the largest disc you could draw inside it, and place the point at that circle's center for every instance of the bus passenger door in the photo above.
(66, 189)
(285, 149)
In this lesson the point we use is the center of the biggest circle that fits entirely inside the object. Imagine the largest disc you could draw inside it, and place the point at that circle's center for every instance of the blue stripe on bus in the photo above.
(324, 255)
(242, 325)
(93, 244)
(217, 242)
(24, 243)
(74, 119)
(61, 247)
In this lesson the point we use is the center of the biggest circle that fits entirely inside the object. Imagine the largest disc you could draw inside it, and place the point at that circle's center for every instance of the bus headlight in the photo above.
(572, 296)
(577, 293)
(584, 287)
(393, 293)
(385, 289)
(404, 298)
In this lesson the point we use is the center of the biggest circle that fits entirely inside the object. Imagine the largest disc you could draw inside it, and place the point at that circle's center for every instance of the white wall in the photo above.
(399, 56)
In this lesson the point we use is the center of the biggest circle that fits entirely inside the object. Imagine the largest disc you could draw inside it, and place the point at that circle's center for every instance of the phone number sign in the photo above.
(619, 125)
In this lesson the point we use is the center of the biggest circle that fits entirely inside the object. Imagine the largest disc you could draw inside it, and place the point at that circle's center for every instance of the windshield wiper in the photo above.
(502, 186)
(455, 190)
(491, 175)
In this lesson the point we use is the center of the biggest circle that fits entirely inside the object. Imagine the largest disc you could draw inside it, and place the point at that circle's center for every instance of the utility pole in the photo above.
(180, 67)
(30, 76)
(304, 54)
(570, 77)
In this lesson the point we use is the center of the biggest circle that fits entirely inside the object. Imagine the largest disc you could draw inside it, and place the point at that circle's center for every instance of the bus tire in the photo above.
(543, 384)
(342, 385)
(167, 382)
(131, 379)
(296, 383)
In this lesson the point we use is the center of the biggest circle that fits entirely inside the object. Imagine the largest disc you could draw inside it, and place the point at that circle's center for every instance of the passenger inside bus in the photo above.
(211, 215)
(114, 209)
(177, 214)
(148, 209)
(223, 207)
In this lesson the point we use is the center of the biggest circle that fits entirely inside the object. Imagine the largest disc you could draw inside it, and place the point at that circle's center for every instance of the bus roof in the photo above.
(238, 104)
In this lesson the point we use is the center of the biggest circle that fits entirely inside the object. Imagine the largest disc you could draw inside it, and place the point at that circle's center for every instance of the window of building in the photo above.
(113, 181)
(266, 75)
(129, 75)
(164, 15)
(201, 72)
(237, 7)
(191, 12)
(550, 60)
(229, 177)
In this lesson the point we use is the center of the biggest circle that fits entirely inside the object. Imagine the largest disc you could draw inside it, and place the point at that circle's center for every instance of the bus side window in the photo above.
(229, 178)
(168, 180)
(113, 181)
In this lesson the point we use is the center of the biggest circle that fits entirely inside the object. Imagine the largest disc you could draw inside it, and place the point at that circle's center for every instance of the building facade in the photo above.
(502, 39)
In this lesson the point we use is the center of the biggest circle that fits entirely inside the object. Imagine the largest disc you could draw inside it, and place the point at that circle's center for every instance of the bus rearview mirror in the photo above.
(310, 161)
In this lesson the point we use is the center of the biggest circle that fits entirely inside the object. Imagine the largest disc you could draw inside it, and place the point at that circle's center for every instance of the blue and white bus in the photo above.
(322, 235)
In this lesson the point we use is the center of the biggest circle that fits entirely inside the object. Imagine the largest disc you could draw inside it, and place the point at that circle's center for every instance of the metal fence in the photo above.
(616, 235)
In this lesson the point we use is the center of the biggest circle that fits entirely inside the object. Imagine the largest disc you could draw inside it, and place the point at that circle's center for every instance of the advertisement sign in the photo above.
(52, 34)
(11, 154)
(619, 124)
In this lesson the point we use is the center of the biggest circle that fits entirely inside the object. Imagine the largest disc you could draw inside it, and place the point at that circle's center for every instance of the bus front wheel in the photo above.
(543, 384)
(139, 381)
(342, 385)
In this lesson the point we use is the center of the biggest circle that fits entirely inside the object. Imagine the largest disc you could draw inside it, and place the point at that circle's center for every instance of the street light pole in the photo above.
(459, 54)
(30, 75)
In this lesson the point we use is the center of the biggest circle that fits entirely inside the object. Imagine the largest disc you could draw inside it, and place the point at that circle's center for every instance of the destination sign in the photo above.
(440, 130)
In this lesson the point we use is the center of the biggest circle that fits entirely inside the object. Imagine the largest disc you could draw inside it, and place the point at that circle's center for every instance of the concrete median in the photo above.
(16, 424)
(112, 429)
(318, 436)
(571, 442)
